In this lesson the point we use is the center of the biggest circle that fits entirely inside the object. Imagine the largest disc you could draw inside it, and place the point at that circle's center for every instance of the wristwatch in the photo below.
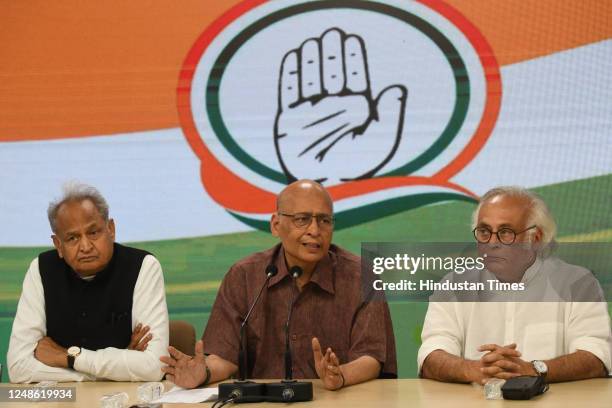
(540, 367)
(73, 352)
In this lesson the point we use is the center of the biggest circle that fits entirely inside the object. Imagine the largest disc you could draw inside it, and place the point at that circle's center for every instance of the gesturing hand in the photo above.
(183, 370)
(140, 339)
(326, 110)
(327, 366)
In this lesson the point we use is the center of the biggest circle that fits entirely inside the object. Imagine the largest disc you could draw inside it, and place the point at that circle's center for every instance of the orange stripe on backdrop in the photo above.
(520, 30)
(71, 68)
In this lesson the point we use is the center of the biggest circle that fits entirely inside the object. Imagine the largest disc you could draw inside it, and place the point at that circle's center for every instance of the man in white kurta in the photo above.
(557, 327)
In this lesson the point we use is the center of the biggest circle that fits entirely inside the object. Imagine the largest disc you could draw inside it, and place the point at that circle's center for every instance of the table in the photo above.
(413, 393)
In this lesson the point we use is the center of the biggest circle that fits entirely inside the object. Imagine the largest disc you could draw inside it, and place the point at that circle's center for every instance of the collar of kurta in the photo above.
(529, 274)
(322, 275)
(100, 276)
(532, 271)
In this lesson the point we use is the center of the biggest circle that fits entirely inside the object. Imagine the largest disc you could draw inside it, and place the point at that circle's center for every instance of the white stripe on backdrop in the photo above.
(555, 125)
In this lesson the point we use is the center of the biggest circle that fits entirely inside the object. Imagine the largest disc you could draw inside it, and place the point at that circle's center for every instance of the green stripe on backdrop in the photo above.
(194, 267)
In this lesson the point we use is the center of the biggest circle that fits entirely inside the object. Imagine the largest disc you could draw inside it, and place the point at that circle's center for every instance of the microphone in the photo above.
(243, 390)
(295, 273)
(290, 390)
(271, 271)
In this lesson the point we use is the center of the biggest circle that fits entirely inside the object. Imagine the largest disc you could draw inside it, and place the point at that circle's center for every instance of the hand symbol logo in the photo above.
(336, 102)
(326, 112)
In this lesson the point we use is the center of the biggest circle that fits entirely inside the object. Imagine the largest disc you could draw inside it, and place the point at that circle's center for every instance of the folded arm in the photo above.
(149, 308)
(29, 327)
(29, 346)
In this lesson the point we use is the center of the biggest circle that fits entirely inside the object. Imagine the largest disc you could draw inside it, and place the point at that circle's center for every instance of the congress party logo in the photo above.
(382, 102)
(326, 109)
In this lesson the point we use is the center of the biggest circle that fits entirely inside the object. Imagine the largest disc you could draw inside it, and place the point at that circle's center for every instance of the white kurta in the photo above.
(541, 330)
(148, 307)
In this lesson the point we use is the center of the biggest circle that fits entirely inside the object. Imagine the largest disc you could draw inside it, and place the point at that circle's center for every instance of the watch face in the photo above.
(74, 351)
(540, 367)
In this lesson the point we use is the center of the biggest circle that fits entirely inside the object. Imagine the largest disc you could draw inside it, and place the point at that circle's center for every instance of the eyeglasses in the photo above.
(504, 235)
(301, 220)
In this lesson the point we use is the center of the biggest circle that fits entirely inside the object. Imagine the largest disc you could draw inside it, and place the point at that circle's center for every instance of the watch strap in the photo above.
(70, 362)
(207, 379)
(535, 367)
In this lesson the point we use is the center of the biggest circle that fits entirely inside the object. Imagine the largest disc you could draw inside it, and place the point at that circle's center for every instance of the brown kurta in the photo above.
(330, 307)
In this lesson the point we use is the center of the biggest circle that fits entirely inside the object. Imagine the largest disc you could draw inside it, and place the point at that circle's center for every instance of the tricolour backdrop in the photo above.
(190, 117)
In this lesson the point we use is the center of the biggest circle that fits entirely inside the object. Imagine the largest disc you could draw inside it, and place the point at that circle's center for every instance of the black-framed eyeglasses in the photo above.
(506, 236)
(302, 220)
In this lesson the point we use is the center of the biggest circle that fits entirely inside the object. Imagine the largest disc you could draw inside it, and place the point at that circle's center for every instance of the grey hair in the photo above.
(539, 214)
(77, 191)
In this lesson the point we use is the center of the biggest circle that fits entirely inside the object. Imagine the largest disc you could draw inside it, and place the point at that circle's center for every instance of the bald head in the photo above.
(301, 190)
(304, 223)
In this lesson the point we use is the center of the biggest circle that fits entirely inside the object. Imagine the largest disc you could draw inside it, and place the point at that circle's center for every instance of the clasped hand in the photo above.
(503, 362)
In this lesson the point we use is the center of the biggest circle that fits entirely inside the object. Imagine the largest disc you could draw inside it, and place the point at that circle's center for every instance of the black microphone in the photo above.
(271, 271)
(295, 273)
(289, 390)
(243, 390)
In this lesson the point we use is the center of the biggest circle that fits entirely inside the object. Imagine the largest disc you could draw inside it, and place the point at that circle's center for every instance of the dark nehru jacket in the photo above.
(330, 307)
(92, 314)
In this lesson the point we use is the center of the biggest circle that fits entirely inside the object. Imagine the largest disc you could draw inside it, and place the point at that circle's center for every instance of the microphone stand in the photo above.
(289, 390)
(243, 390)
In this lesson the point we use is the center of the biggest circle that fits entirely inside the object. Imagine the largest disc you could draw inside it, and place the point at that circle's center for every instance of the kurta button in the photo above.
(293, 337)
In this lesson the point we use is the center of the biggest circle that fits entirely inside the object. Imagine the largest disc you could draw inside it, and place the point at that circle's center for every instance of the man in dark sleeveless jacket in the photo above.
(90, 308)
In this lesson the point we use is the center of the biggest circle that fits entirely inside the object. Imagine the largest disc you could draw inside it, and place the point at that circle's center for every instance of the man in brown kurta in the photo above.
(330, 307)
(330, 313)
